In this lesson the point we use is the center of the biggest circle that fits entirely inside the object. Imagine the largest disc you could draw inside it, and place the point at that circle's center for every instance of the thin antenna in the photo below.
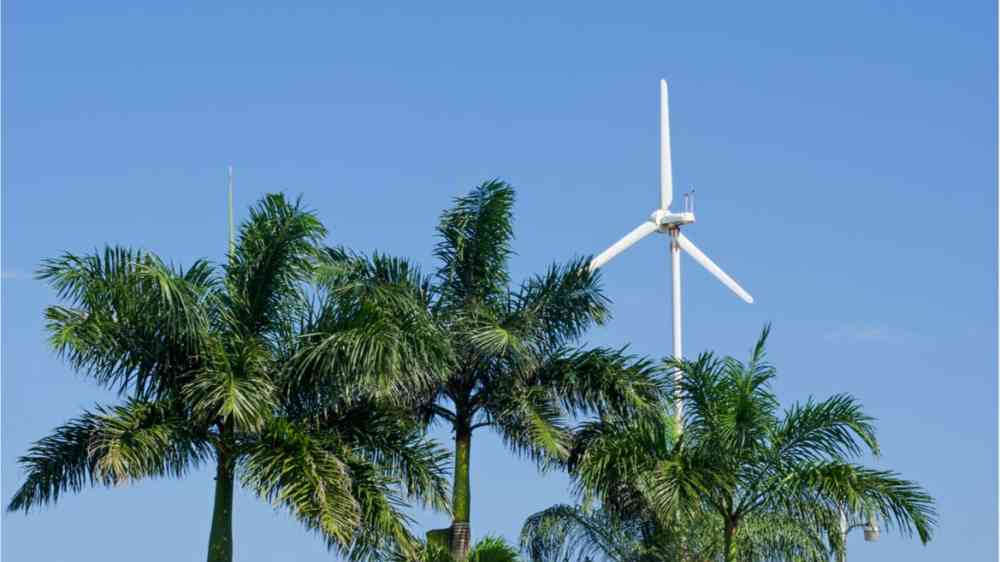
(230, 182)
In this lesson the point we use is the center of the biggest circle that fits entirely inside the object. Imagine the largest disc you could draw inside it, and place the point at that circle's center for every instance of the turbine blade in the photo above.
(640, 232)
(715, 270)
(666, 169)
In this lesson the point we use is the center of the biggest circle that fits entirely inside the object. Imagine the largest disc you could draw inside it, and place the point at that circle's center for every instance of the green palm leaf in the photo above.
(133, 324)
(492, 549)
(275, 251)
(305, 474)
(565, 532)
(109, 446)
(475, 244)
(372, 327)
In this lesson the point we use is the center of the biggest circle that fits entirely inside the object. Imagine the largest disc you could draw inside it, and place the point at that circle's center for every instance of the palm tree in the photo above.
(512, 365)
(612, 458)
(200, 359)
(740, 483)
(563, 533)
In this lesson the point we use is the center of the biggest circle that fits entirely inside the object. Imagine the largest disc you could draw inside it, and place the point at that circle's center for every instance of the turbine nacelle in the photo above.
(666, 220)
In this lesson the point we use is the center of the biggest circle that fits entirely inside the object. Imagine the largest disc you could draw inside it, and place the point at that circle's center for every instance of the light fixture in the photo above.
(871, 530)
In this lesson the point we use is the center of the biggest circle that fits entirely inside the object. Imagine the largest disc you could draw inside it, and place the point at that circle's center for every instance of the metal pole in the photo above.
(675, 270)
(231, 239)
(675, 274)
(842, 552)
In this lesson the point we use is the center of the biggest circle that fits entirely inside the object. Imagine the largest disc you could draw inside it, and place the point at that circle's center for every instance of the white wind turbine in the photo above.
(666, 222)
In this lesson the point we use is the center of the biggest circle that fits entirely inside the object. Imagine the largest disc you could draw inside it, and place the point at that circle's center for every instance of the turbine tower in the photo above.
(664, 221)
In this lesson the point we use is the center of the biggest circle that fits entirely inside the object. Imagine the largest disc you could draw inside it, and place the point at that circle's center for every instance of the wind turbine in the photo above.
(664, 221)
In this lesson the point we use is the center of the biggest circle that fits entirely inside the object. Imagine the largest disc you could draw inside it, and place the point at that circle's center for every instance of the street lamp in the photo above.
(871, 529)
(871, 533)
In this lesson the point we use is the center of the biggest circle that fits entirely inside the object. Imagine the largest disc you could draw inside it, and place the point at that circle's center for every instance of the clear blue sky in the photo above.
(844, 156)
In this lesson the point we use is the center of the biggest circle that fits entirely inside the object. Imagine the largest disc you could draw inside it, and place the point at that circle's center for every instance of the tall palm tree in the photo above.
(513, 366)
(201, 360)
(741, 482)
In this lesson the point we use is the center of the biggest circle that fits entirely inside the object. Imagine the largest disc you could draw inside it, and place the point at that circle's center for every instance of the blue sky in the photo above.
(844, 156)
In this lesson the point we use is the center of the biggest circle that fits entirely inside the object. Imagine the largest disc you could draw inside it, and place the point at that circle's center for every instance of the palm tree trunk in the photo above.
(728, 545)
(460, 496)
(220, 539)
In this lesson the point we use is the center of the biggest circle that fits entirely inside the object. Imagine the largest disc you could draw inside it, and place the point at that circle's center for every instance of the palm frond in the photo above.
(531, 423)
(475, 244)
(686, 485)
(342, 270)
(824, 429)
(601, 380)
(777, 537)
(132, 322)
(727, 403)
(425, 552)
(560, 305)
(701, 385)
(309, 477)
(488, 337)
(613, 454)
(834, 484)
(275, 252)
(492, 548)
(564, 532)
(373, 329)
(394, 444)
(383, 530)
(109, 446)
(243, 399)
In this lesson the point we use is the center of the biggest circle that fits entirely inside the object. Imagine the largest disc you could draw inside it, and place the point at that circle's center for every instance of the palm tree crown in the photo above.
(741, 481)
